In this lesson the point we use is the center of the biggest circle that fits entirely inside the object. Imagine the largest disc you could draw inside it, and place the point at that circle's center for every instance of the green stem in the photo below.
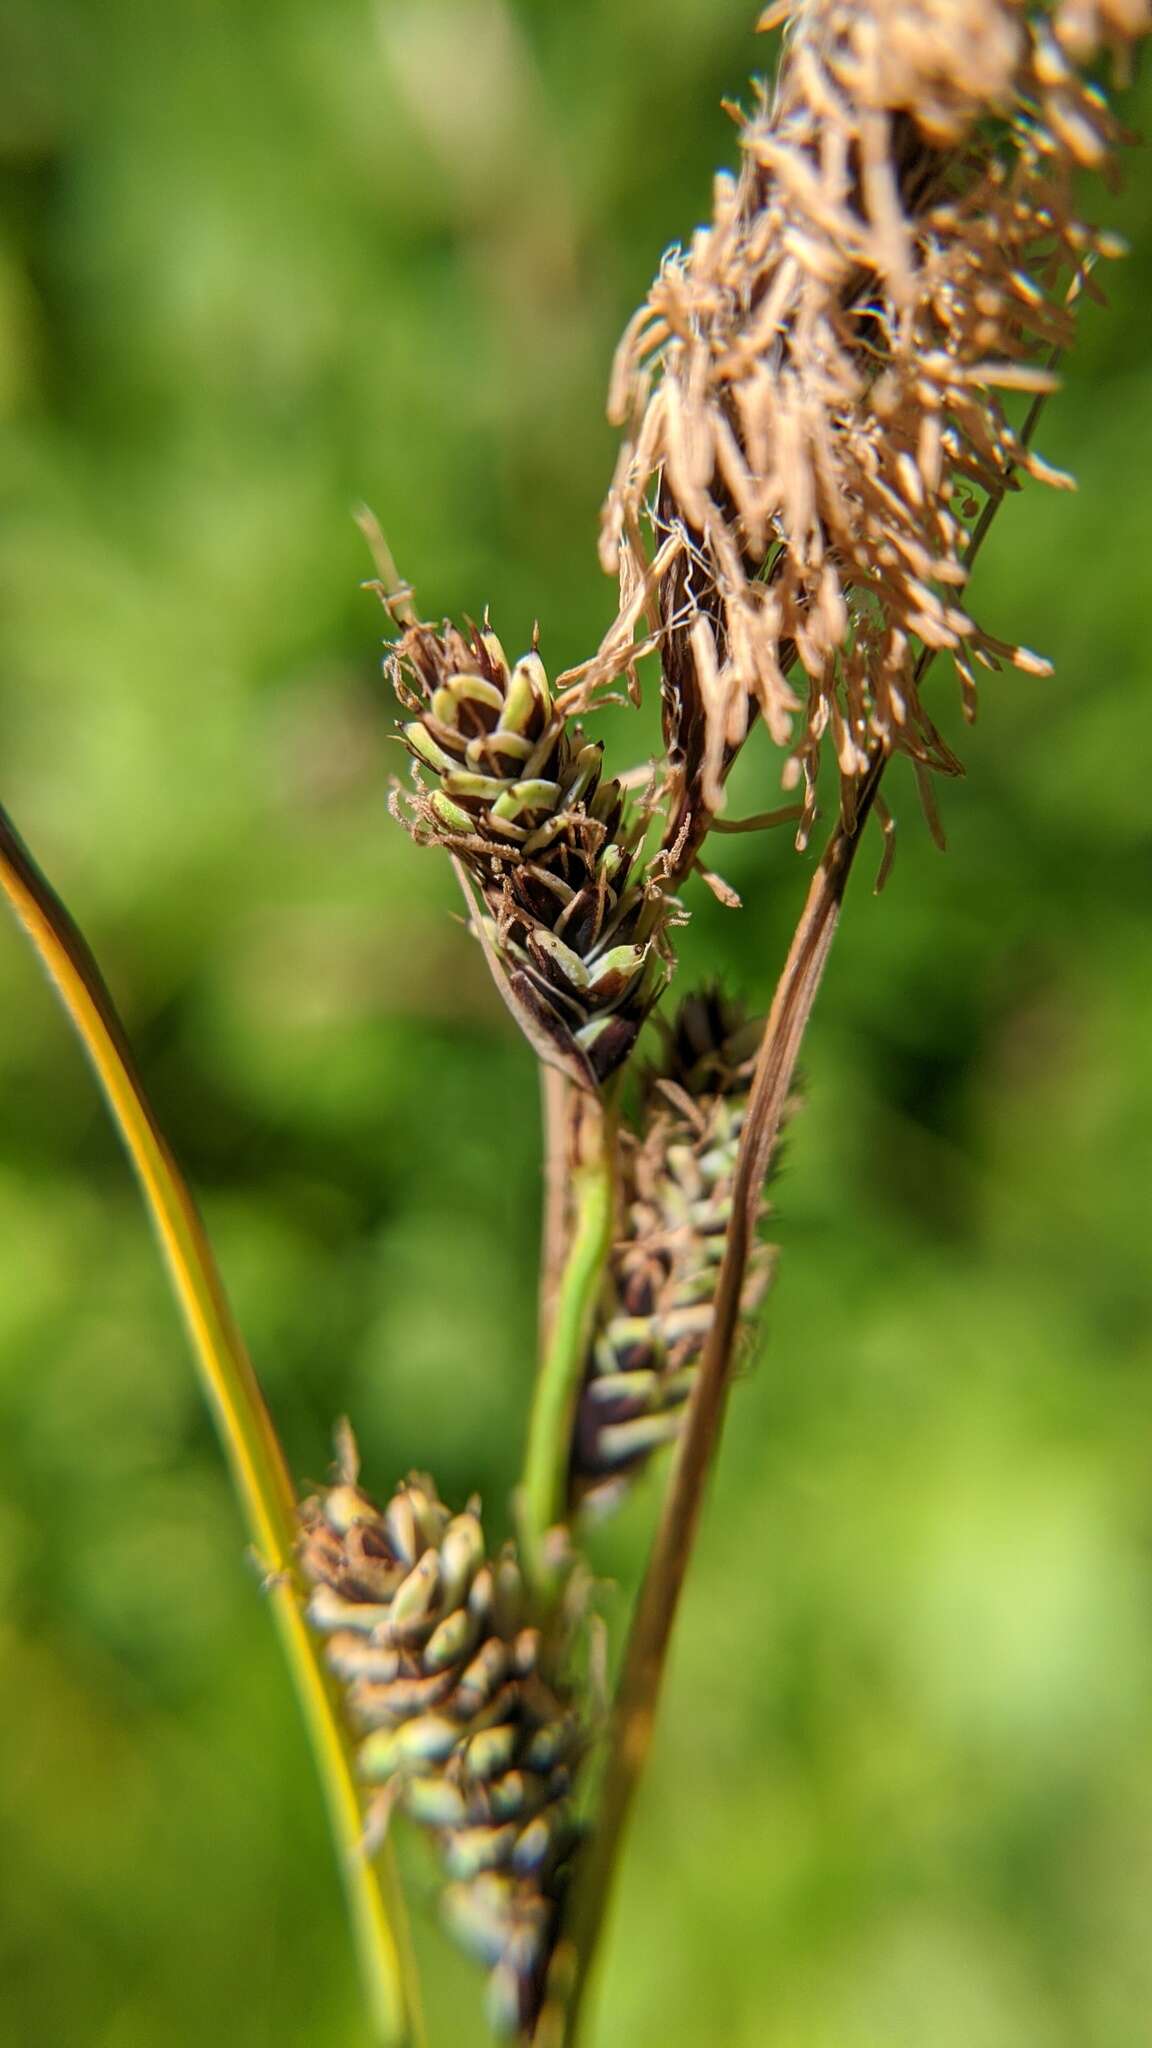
(260, 1476)
(543, 1496)
(555, 1090)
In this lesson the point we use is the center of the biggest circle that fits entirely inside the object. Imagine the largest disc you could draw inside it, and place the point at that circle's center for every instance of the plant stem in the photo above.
(555, 1089)
(252, 1449)
(634, 1709)
(543, 1495)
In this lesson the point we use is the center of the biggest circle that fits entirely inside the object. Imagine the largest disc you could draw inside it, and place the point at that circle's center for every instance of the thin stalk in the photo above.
(252, 1449)
(555, 1090)
(543, 1494)
(634, 1709)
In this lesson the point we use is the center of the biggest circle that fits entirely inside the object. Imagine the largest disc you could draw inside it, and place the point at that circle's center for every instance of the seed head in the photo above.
(574, 926)
(823, 393)
(678, 1169)
(460, 1714)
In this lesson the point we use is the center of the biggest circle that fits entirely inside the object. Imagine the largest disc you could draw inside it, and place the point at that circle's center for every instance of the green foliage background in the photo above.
(260, 259)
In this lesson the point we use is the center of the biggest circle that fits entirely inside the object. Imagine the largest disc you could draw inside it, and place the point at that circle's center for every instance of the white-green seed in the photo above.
(435, 1802)
(328, 1611)
(447, 699)
(471, 1850)
(414, 1601)
(430, 1739)
(491, 1752)
(451, 1640)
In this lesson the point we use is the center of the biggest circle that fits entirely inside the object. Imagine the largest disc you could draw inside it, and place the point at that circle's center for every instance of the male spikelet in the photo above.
(462, 1717)
(678, 1175)
(821, 391)
(574, 929)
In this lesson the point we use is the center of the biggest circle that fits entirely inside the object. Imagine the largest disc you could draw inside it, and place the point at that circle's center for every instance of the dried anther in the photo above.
(462, 1718)
(819, 394)
(573, 926)
(662, 1275)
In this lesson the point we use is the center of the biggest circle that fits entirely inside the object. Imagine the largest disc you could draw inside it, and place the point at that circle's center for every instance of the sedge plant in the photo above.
(824, 401)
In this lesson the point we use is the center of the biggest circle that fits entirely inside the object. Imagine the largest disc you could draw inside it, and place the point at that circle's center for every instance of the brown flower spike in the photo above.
(822, 391)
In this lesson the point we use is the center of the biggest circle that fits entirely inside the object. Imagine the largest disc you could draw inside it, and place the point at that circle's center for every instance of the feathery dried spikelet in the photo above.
(662, 1275)
(818, 393)
(463, 1719)
(573, 927)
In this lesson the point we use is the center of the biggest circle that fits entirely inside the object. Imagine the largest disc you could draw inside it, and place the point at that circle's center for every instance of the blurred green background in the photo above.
(260, 259)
